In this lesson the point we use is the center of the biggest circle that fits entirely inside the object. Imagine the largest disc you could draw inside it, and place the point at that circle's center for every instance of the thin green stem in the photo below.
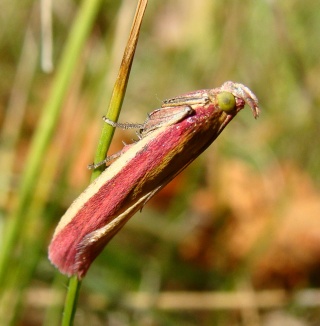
(70, 306)
(120, 87)
(106, 137)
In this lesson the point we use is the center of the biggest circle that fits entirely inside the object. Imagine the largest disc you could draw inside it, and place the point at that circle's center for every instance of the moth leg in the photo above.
(123, 125)
(112, 157)
(138, 134)
(158, 118)
(107, 160)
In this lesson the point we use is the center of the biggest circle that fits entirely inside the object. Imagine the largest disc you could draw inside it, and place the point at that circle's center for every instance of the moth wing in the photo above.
(93, 243)
(166, 116)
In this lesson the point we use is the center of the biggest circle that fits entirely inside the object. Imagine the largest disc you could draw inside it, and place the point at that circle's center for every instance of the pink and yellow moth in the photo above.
(169, 140)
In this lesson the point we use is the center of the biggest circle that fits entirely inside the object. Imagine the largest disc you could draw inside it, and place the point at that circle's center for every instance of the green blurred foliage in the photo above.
(270, 46)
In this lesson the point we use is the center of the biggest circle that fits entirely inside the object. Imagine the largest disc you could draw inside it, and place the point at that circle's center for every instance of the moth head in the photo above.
(226, 101)
(244, 93)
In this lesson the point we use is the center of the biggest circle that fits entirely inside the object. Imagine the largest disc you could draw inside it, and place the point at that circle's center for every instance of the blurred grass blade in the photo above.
(106, 135)
(46, 35)
(15, 111)
(44, 132)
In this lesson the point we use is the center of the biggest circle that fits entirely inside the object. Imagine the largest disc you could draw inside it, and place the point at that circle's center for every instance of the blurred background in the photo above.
(234, 239)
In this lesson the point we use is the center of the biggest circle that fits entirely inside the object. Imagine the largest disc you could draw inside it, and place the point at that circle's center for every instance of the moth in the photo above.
(169, 140)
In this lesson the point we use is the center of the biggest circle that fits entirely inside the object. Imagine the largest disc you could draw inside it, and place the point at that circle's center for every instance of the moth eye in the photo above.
(226, 101)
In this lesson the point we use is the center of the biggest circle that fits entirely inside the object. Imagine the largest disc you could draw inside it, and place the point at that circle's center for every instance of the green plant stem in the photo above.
(45, 129)
(119, 87)
(106, 136)
(71, 301)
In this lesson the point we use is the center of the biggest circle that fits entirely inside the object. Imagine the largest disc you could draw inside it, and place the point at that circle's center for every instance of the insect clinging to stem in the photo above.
(169, 140)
